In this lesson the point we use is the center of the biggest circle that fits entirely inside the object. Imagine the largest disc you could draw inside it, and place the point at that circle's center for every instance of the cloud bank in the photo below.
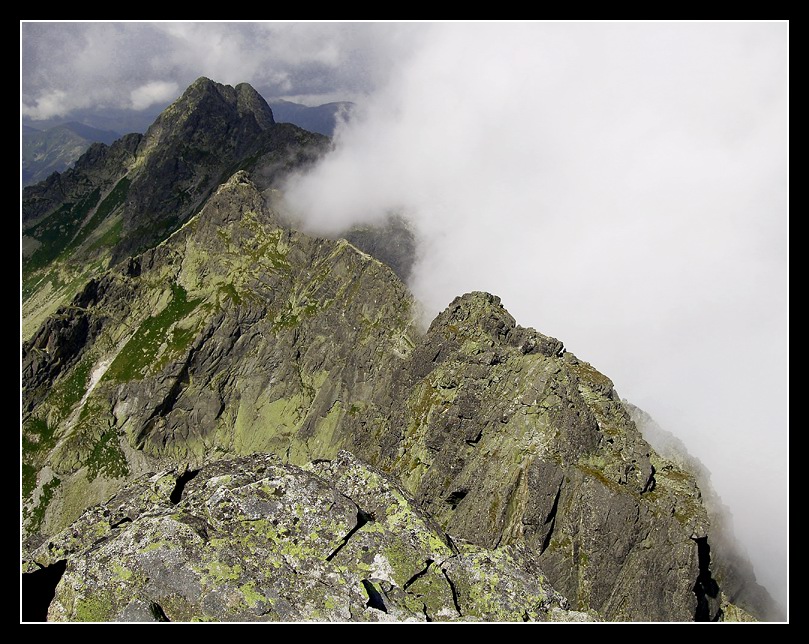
(68, 66)
(151, 93)
(622, 187)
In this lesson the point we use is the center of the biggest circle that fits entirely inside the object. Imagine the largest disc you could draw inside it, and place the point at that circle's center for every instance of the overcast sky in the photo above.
(622, 187)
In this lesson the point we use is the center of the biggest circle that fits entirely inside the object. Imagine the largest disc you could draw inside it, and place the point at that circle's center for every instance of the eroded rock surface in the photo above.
(254, 539)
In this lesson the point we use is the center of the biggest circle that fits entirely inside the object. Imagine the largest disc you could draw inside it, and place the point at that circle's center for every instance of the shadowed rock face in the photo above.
(729, 562)
(239, 337)
(392, 242)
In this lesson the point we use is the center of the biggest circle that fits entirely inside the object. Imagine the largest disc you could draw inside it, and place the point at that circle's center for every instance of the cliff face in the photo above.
(166, 378)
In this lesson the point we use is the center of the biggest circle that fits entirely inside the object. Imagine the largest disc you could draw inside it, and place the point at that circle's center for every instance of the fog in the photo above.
(622, 187)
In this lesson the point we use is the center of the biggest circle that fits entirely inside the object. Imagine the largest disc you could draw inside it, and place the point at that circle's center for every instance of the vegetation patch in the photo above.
(29, 479)
(110, 237)
(46, 496)
(600, 476)
(140, 355)
(37, 439)
(70, 390)
(56, 232)
(356, 409)
(32, 282)
(37, 435)
(106, 458)
(113, 200)
(265, 248)
(291, 316)
(230, 292)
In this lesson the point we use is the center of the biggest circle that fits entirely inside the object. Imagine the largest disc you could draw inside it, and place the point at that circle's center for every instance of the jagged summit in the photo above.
(206, 105)
(482, 316)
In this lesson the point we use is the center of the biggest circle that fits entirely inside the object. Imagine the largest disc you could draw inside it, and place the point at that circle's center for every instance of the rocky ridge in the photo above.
(238, 337)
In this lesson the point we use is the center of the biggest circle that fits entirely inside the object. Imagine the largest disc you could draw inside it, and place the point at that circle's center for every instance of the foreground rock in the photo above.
(254, 539)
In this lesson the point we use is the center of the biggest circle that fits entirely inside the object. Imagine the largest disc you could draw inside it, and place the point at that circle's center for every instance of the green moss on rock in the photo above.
(37, 515)
(106, 458)
(139, 356)
(56, 232)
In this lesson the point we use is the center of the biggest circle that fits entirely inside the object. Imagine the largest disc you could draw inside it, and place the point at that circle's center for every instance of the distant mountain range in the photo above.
(320, 118)
(57, 148)
(104, 118)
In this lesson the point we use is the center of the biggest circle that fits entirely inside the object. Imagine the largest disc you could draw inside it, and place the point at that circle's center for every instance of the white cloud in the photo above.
(108, 64)
(153, 92)
(49, 104)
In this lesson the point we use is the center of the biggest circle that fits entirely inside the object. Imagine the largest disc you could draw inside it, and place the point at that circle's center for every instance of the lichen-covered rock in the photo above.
(236, 336)
(506, 438)
(253, 539)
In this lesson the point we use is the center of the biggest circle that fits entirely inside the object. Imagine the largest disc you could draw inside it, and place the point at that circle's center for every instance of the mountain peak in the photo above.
(141, 188)
(202, 82)
(249, 101)
(243, 99)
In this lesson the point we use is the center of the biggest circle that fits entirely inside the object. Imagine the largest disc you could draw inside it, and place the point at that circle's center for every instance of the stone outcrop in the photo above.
(253, 539)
